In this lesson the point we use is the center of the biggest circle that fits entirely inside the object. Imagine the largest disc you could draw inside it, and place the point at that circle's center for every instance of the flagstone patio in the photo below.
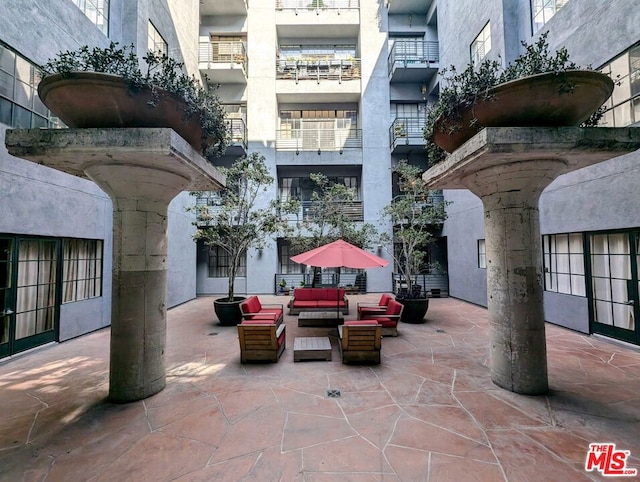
(429, 412)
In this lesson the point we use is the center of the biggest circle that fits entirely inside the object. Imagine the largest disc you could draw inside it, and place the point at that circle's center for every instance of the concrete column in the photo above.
(142, 170)
(514, 292)
(140, 197)
(508, 168)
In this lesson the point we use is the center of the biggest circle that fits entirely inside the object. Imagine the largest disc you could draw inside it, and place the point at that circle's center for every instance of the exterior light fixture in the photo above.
(423, 90)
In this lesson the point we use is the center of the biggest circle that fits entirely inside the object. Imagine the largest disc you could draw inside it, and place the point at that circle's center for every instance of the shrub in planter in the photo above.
(106, 87)
(470, 99)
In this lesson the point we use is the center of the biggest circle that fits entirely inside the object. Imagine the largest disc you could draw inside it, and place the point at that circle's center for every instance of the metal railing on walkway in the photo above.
(412, 52)
(329, 69)
(311, 138)
(404, 128)
(317, 4)
(223, 52)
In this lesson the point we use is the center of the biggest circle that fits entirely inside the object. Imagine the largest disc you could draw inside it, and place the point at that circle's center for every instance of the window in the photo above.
(20, 106)
(481, 45)
(624, 104)
(302, 188)
(285, 251)
(82, 269)
(482, 254)
(564, 263)
(543, 10)
(36, 287)
(220, 262)
(155, 42)
(97, 11)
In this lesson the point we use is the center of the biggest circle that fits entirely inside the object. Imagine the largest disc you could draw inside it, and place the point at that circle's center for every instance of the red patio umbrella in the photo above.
(338, 254)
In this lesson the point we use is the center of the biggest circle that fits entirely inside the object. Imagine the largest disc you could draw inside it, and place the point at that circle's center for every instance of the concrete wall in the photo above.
(600, 197)
(463, 228)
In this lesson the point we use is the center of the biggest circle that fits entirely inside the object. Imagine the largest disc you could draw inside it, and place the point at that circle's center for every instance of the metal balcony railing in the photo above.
(317, 4)
(223, 52)
(404, 128)
(237, 130)
(318, 139)
(436, 197)
(411, 52)
(336, 69)
(309, 210)
(434, 285)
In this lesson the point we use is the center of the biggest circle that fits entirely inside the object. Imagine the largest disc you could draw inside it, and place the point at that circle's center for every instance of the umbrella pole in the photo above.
(338, 295)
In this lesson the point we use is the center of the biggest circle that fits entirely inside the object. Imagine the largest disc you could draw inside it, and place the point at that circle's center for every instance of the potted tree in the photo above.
(106, 87)
(233, 220)
(538, 89)
(415, 219)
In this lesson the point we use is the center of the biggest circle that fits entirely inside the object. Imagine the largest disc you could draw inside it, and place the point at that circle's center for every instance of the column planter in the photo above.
(508, 168)
(228, 312)
(96, 99)
(549, 99)
(141, 170)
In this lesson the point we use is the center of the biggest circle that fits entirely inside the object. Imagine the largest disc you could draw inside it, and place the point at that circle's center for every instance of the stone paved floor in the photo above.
(429, 412)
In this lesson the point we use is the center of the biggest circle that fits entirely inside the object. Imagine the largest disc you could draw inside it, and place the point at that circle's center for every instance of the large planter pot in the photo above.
(543, 100)
(93, 99)
(228, 312)
(414, 310)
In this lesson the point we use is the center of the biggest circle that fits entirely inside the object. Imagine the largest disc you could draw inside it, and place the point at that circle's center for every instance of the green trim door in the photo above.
(29, 293)
(7, 296)
(614, 264)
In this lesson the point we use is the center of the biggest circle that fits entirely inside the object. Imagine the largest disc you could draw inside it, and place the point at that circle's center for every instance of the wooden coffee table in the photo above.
(311, 348)
(322, 319)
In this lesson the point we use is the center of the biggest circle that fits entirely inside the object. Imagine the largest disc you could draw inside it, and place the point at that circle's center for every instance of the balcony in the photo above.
(311, 138)
(352, 210)
(333, 69)
(413, 61)
(420, 205)
(223, 62)
(219, 8)
(238, 131)
(330, 19)
(405, 134)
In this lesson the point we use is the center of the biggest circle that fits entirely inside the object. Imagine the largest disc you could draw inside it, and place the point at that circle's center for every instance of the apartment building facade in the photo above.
(332, 86)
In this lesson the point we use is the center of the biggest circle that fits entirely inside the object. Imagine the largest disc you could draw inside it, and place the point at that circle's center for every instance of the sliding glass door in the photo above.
(615, 273)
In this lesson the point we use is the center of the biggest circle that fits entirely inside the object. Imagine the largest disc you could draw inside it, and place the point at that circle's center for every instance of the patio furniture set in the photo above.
(262, 333)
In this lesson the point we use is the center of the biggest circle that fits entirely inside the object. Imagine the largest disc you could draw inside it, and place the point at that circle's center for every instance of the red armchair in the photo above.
(388, 320)
(367, 310)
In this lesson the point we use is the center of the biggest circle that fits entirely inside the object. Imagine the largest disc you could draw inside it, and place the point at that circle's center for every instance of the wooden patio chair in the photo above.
(261, 340)
(360, 341)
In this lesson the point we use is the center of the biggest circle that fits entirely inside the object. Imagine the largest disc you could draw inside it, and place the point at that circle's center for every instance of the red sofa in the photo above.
(252, 309)
(318, 299)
